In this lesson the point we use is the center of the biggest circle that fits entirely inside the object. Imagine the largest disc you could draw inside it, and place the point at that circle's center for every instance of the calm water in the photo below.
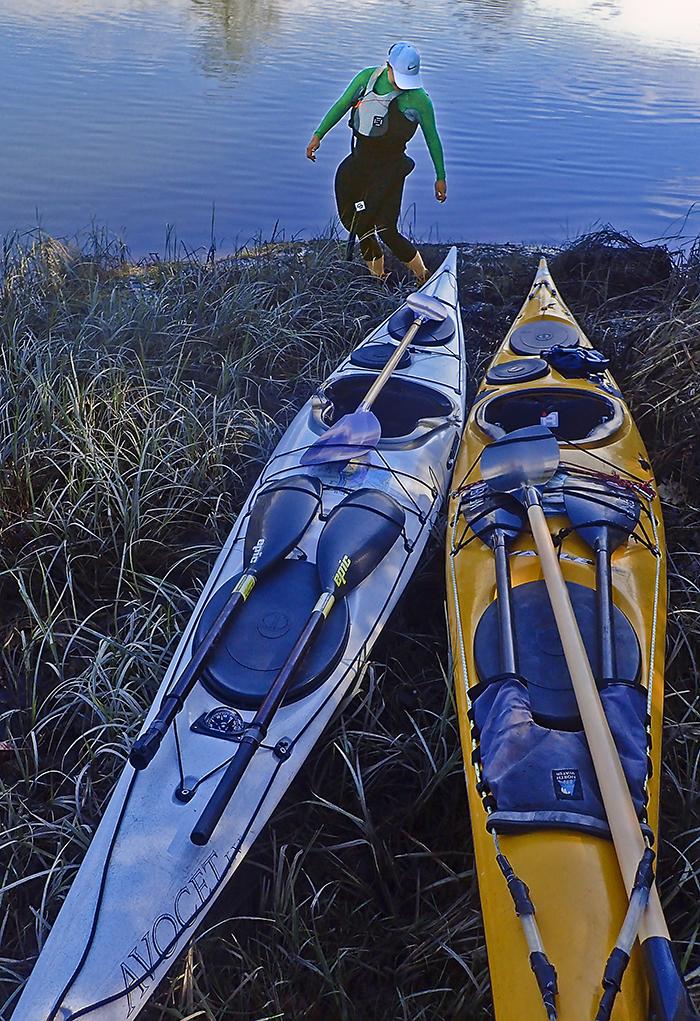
(555, 114)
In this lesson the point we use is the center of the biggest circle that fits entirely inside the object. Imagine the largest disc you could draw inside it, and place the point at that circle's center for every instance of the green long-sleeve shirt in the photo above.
(414, 103)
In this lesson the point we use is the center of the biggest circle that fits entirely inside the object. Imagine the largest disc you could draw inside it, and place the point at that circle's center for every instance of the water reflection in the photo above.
(495, 11)
(490, 24)
(231, 28)
(142, 113)
(65, 11)
(673, 23)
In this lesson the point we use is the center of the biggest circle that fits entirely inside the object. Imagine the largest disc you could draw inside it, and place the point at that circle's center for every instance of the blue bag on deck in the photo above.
(541, 777)
(576, 362)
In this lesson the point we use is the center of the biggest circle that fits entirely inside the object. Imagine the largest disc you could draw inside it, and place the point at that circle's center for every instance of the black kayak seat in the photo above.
(571, 414)
(245, 661)
(400, 406)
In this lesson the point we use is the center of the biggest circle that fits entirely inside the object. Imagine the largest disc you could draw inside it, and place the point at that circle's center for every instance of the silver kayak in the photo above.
(144, 886)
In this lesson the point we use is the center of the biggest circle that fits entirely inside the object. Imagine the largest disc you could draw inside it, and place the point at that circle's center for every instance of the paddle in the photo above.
(518, 463)
(603, 514)
(359, 533)
(360, 431)
(279, 517)
(498, 523)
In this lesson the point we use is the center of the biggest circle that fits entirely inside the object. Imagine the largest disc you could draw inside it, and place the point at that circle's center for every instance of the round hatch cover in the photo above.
(375, 356)
(257, 641)
(539, 652)
(524, 370)
(532, 338)
(430, 334)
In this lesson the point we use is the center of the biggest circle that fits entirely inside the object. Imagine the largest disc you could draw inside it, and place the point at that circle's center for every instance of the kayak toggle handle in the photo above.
(618, 960)
(546, 977)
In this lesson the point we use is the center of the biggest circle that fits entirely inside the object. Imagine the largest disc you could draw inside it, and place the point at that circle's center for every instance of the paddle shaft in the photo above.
(604, 599)
(258, 726)
(669, 993)
(604, 514)
(617, 800)
(391, 364)
(506, 633)
(146, 746)
(278, 517)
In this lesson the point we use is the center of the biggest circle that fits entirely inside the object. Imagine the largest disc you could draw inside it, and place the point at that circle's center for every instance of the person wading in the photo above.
(387, 104)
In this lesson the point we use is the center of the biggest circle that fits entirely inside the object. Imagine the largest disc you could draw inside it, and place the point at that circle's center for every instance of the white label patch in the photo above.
(550, 419)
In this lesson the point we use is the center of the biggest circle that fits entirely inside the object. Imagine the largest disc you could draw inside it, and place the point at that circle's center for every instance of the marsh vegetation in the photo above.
(137, 404)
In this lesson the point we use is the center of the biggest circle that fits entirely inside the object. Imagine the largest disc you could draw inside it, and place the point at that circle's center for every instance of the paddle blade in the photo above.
(668, 990)
(351, 436)
(488, 513)
(359, 533)
(602, 512)
(279, 517)
(525, 457)
(427, 307)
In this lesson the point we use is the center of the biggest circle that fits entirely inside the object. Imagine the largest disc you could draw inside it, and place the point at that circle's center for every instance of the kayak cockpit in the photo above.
(403, 407)
(572, 414)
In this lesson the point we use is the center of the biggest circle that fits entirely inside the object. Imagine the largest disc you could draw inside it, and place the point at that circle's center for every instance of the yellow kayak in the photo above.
(533, 796)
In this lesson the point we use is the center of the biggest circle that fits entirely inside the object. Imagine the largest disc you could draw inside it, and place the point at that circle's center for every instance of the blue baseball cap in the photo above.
(405, 63)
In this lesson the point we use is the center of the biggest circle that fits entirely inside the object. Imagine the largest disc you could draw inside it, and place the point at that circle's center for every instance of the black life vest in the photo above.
(380, 129)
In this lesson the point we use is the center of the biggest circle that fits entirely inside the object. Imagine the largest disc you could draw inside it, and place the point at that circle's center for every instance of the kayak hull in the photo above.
(144, 887)
(573, 876)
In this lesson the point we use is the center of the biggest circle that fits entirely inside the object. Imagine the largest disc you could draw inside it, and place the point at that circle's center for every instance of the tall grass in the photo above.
(137, 404)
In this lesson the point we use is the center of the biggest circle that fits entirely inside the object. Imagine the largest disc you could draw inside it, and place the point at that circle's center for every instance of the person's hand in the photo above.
(312, 147)
(441, 191)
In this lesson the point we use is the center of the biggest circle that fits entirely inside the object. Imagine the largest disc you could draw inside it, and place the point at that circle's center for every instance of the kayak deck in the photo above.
(573, 875)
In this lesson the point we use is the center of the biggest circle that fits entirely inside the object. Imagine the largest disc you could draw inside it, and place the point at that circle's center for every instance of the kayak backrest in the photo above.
(571, 414)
